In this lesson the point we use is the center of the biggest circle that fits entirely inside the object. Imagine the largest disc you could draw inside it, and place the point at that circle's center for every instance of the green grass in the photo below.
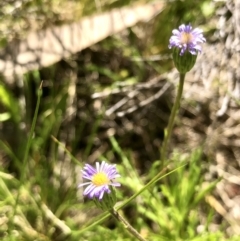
(42, 202)
(44, 209)
(49, 133)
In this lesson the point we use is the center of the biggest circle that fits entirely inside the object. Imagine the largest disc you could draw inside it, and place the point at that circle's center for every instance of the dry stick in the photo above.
(120, 103)
(153, 83)
(145, 102)
(127, 225)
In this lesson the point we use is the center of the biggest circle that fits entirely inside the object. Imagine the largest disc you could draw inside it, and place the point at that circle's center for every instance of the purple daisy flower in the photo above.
(187, 39)
(100, 179)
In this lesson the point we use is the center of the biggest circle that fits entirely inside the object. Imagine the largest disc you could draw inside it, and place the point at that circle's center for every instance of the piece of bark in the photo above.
(46, 47)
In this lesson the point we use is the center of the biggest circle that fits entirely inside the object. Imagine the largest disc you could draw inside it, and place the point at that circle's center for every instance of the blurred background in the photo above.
(106, 94)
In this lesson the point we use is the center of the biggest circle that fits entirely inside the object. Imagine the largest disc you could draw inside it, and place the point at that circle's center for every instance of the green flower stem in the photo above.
(174, 111)
(127, 225)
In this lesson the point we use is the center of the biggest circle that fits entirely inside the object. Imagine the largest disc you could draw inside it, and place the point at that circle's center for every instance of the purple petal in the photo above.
(83, 184)
(115, 184)
(191, 43)
(89, 189)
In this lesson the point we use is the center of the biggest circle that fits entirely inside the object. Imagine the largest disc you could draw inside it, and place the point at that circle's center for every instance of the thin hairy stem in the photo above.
(127, 225)
(168, 130)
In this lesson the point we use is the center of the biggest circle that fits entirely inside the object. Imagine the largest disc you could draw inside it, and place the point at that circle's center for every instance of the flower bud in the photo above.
(107, 202)
(185, 62)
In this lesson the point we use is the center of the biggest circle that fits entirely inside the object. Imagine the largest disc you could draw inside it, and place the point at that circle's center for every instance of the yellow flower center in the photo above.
(100, 179)
(186, 38)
